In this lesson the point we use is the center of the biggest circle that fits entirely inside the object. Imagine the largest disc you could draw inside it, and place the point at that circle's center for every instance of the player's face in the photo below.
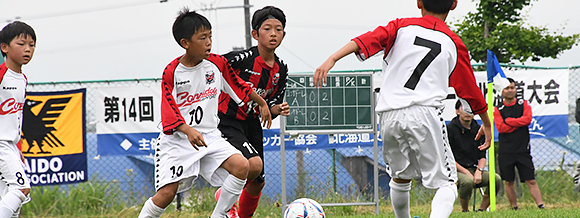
(20, 49)
(199, 46)
(509, 92)
(270, 34)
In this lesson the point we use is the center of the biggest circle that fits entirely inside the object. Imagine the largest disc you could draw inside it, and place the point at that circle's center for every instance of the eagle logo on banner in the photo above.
(53, 133)
(39, 128)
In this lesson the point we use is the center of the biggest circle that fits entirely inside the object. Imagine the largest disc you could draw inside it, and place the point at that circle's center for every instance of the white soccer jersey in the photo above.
(422, 58)
(12, 97)
(190, 94)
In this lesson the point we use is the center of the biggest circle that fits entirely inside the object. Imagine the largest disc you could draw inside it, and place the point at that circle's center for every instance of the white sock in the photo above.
(231, 190)
(400, 199)
(11, 202)
(16, 214)
(150, 210)
(442, 204)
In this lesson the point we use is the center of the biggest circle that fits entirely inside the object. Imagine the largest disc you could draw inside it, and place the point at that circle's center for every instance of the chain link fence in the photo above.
(337, 175)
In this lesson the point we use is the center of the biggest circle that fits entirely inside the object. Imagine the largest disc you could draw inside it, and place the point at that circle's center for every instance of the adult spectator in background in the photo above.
(512, 118)
(469, 160)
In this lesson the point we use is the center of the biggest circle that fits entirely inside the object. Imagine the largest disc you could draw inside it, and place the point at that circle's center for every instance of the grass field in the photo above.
(102, 199)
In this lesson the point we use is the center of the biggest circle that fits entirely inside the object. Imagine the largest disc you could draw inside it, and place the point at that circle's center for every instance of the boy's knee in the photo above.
(255, 167)
(25, 191)
(239, 166)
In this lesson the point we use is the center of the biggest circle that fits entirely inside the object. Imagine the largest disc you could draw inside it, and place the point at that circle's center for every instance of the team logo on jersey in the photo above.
(275, 79)
(182, 82)
(252, 72)
(10, 88)
(10, 106)
(53, 124)
(209, 77)
(185, 99)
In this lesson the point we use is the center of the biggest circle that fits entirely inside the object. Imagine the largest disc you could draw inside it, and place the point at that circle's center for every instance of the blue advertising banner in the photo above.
(311, 141)
(127, 144)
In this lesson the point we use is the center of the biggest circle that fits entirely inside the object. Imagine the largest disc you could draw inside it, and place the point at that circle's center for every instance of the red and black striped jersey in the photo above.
(189, 95)
(268, 82)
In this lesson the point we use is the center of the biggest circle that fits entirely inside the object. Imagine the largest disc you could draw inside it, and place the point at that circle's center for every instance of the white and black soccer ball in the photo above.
(304, 208)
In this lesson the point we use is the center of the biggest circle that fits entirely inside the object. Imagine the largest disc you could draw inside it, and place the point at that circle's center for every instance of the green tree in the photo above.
(497, 25)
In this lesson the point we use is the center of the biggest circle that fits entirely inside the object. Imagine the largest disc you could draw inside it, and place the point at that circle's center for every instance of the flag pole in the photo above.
(491, 153)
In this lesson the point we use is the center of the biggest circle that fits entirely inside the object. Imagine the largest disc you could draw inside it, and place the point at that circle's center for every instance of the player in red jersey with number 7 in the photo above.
(422, 58)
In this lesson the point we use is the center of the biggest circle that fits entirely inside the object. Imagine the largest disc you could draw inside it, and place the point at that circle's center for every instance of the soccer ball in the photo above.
(304, 208)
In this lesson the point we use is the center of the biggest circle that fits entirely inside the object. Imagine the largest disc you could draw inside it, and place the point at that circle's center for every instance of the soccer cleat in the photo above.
(233, 213)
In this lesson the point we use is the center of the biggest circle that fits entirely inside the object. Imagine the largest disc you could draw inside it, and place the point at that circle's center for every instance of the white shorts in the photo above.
(415, 146)
(177, 161)
(12, 168)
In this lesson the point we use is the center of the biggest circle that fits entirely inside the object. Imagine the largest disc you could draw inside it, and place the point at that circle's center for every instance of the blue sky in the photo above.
(128, 39)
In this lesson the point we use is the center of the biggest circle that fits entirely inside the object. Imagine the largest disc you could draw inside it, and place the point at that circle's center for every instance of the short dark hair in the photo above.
(266, 13)
(438, 6)
(457, 105)
(511, 80)
(187, 24)
(13, 30)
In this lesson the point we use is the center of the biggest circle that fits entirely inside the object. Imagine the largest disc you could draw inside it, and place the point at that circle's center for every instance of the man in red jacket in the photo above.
(512, 118)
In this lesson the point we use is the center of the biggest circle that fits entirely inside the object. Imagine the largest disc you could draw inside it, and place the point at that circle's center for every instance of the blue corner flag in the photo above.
(495, 74)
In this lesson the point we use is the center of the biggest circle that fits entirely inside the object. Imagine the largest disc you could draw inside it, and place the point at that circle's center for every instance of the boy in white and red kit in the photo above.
(17, 42)
(191, 144)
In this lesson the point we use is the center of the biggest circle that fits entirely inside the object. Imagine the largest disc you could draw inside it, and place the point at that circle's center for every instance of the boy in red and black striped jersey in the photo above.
(191, 144)
(266, 74)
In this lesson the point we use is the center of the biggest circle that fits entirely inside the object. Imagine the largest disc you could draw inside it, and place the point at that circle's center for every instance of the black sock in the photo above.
(516, 208)
(541, 206)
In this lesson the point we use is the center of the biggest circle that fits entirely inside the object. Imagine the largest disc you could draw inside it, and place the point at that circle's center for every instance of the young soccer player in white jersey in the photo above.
(17, 42)
(190, 144)
(422, 57)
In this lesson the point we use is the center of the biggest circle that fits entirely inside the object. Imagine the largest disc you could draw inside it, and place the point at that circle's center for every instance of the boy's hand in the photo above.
(281, 109)
(194, 137)
(487, 133)
(322, 71)
(266, 116)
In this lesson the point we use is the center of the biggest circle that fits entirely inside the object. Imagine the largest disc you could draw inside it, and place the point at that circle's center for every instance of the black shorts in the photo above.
(246, 136)
(509, 161)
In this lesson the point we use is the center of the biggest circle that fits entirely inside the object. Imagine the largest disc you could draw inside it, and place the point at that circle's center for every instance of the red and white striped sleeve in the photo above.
(170, 115)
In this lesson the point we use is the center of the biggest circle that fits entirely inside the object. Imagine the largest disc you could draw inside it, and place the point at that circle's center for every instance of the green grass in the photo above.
(105, 199)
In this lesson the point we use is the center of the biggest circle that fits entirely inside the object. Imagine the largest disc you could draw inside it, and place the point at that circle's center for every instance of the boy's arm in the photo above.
(264, 109)
(485, 129)
(322, 71)
(277, 107)
(170, 115)
(193, 136)
(524, 120)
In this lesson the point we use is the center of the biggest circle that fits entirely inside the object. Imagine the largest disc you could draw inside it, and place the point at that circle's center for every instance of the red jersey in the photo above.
(268, 82)
(422, 58)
